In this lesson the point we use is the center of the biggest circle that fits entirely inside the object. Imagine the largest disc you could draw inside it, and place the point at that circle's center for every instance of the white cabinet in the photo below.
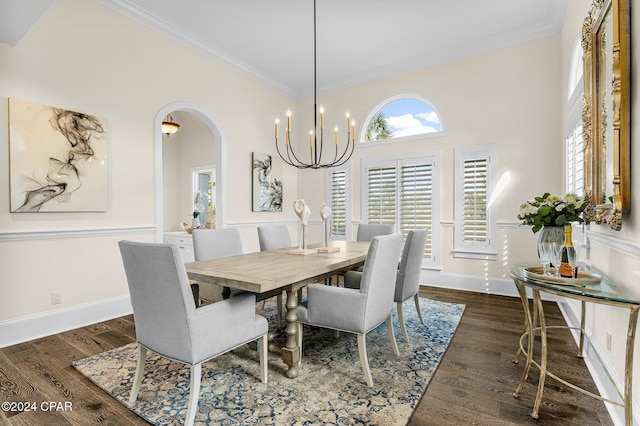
(184, 242)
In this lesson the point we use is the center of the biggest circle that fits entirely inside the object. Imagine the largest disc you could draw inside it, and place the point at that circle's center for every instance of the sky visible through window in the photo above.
(410, 116)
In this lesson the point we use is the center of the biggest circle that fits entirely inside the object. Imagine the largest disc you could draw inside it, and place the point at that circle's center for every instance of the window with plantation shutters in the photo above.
(474, 224)
(416, 200)
(403, 192)
(381, 194)
(339, 202)
(474, 218)
(575, 160)
(337, 197)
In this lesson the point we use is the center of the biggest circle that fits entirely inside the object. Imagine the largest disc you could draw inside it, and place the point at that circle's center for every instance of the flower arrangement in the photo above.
(197, 204)
(552, 210)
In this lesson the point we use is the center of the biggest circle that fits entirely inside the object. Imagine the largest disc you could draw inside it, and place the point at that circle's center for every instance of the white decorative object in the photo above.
(326, 214)
(304, 212)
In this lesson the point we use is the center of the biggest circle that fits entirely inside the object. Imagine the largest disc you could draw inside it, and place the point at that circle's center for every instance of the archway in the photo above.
(221, 169)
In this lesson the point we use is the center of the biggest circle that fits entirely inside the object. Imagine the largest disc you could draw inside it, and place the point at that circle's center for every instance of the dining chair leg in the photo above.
(263, 348)
(362, 349)
(137, 380)
(194, 393)
(394, 344)
(416, 299)
(401, 321)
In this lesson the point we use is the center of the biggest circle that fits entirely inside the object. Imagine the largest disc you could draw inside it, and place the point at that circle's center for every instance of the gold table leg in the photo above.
(529, 330)
(628, 365)
(537, 300)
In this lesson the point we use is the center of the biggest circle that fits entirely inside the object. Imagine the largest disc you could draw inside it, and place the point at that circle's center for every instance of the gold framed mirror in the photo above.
(606, 115)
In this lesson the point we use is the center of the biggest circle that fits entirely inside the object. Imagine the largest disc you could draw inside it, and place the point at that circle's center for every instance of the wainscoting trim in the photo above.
(72, 233)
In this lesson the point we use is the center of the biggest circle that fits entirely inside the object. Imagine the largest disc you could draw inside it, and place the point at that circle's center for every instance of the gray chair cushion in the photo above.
(274, 237)
(408, 279)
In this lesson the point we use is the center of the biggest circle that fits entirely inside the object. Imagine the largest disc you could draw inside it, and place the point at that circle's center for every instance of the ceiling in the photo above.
(358, 41)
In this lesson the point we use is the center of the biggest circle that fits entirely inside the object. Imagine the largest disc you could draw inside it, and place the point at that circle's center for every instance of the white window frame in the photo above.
(398, 161)
(328, 197)
(574, 158)
(362, 143)
(475, 250)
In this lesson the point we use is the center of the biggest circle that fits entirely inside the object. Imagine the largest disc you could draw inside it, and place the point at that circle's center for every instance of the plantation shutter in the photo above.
(381, 194)
(339, 202)
(475, 200)
(416, 200)
(575, 160)
(475, 223)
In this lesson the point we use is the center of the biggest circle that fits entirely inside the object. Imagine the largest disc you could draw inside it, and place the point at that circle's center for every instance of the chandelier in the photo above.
(316, 142)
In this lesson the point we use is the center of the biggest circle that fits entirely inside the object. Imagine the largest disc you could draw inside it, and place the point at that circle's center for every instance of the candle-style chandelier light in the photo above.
(316, 144)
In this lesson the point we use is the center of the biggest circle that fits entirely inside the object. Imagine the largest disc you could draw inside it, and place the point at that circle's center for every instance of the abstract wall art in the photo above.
(57, 159)
(267, 183)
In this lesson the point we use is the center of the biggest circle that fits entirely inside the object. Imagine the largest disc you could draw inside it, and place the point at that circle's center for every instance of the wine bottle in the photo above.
(566, 270)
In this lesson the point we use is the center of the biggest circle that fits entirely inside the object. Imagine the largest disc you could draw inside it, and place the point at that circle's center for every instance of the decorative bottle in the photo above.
(566, 270)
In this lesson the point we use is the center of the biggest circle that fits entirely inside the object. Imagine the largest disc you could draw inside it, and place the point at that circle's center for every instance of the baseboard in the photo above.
(609, 383)
(488, 285)
(31, 327)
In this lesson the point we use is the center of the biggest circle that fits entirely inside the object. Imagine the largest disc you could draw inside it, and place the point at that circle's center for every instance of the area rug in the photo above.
(330, 387)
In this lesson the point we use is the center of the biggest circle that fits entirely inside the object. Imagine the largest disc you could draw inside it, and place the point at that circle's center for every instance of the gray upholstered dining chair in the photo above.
(408, 279)
(216, 243)
(168, 324)
(366, 231)
(274, 237)
(363, 304)
(223, 242)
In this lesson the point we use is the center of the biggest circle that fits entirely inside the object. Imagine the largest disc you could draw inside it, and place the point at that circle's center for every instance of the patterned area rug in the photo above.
(330, 388)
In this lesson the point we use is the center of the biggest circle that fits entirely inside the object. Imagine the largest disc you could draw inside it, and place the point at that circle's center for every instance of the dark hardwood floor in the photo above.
(473, 384)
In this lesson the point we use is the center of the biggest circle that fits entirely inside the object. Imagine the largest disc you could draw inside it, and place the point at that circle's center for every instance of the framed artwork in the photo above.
(57, 159)
(266, 183)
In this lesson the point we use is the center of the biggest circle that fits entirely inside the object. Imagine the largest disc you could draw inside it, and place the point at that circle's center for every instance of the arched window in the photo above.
(574, 143)
(401, 117)
(575, 73)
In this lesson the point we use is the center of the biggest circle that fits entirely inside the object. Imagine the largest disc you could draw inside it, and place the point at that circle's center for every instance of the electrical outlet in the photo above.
(56, 298)
(608, 341)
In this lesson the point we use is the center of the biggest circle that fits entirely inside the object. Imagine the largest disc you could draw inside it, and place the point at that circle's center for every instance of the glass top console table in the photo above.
(605, 292)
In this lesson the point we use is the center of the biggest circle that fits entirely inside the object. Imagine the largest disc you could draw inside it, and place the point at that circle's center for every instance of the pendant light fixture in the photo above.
(316, 135)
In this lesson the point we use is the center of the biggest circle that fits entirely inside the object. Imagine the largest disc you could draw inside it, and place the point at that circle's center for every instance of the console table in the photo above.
(605, 293)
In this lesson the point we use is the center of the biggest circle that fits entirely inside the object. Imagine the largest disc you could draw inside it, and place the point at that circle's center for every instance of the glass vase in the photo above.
(551, 234)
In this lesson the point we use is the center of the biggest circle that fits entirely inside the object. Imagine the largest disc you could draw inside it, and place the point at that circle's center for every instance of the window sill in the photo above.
(462, 254)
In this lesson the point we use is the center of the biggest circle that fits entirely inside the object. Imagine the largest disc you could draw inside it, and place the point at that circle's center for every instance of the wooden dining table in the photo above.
(274, 271)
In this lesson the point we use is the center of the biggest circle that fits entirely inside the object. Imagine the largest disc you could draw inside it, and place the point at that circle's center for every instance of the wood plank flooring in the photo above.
(473, 384)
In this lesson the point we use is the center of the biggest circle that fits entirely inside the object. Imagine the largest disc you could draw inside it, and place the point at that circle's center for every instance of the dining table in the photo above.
(275, 271)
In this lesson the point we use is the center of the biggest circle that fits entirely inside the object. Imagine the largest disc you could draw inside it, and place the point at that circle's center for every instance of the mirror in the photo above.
(606, 116)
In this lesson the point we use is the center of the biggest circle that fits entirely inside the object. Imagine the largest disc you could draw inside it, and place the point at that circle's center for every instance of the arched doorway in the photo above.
(220, 153)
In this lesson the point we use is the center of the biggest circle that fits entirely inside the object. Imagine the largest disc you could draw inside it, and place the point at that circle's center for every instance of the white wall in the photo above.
(82, 56)
(507, 97)
(614, 253)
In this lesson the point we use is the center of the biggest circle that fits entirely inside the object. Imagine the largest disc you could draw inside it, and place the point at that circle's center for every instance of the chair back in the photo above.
(274, 237)
(161, 297)
(408, 279)
(379, 277)
(216, 243)
(366, 231)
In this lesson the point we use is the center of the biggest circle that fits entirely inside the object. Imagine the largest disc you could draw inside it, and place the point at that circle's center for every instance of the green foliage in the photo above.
(551, 210)
(378, 128)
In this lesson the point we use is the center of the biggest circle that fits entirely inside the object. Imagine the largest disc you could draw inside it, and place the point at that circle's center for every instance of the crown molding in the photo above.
(193, 42)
